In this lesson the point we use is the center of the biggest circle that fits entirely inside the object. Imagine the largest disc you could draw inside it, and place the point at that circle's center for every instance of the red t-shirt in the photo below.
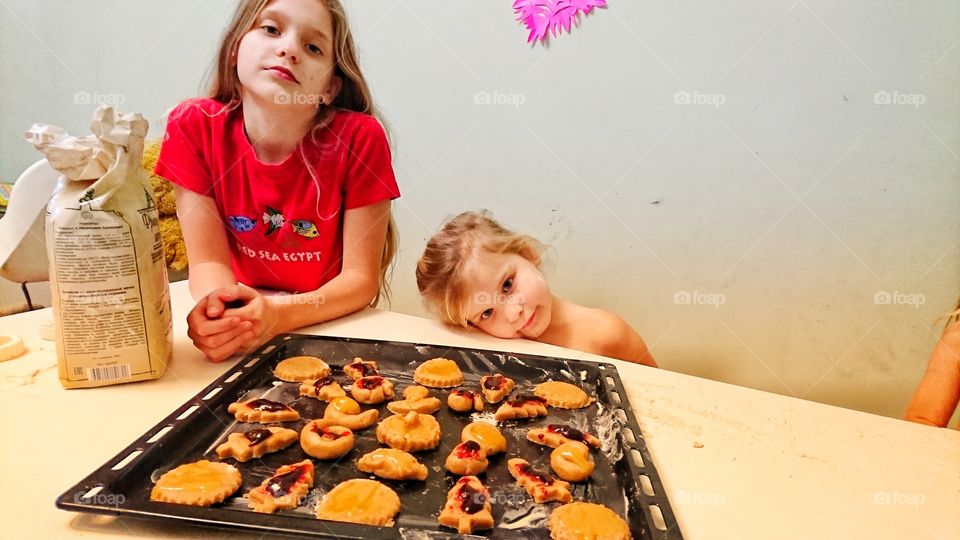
(285, 230)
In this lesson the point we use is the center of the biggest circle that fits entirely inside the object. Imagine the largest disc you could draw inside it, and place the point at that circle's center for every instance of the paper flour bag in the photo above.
(108, 277)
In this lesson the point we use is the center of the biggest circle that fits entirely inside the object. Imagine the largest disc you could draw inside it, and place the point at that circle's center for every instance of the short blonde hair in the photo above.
(440, 269)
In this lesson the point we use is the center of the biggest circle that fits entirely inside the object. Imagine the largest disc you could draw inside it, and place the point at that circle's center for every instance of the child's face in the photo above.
(287, 57)
(506, 295)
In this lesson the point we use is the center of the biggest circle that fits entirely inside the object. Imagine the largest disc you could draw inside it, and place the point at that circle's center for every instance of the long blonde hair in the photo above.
(354, 95)
(440, 269)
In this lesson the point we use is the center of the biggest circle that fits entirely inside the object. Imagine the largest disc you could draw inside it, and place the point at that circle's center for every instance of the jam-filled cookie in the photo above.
(417, 399)
(201, 483)
(523, 406)
(372, 390)
(346, 412)
(572, 462)
(323, 439)
(587, 521)
(438, 373)
(301, 368)
(540, 486)
(324, 389)
(254, 443)
(362, 501)
(556, 434)
(285, 489)
(411, 432)
(462, 400)
(563, 395)
(468, 507)
(496, 387)
(263, 411)
(467, 458)
(392, 464)
(486, 435)
(361, 368)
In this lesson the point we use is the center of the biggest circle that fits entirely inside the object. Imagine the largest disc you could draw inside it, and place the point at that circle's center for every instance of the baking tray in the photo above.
(625, 479)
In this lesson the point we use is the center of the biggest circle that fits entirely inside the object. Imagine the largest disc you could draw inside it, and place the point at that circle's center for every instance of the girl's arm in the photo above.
(364, 234)
(617, 339)
(936, 397)
(206, 241)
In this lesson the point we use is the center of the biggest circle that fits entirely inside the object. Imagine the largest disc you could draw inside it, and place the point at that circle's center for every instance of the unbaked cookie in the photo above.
(486, 435)
(301, 368)
(556, 434)
(411, 432)
(346, 412)
(438, 373)
(392, 464)
(372, 390)
(563, 395)
(572, 462)
(465, 400)
(324, 389)
(467, 458)
(524, 406)
(468, 507)
(263, 411)
(587, 521)
(201, 483)
(285, 489)
(540, 486)
(361, 368)
(362, 501)
(254, 443)
(496, 387)
(416, 398)
(323, 439)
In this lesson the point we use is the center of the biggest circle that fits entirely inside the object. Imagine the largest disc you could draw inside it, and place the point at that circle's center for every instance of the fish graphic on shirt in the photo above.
(304, 228)
(241, 223)
(273, 219)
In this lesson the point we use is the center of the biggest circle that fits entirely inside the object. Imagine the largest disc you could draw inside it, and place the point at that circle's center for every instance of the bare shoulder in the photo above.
(615, 338)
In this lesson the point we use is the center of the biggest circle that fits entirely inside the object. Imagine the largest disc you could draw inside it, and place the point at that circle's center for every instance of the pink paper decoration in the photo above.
(553, 16)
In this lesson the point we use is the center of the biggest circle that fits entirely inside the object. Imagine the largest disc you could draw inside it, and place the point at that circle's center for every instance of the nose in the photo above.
(512, 310)
(286, 49)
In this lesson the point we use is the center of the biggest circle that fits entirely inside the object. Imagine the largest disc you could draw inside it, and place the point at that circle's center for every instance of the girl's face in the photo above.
(506, 295)
(287, 57)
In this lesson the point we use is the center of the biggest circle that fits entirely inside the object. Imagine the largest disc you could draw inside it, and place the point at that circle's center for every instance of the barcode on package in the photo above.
(109, 373)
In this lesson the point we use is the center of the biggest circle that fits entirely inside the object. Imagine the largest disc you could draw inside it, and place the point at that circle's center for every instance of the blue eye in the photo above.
(507, 284)
(486, 314)
(314, 49)
(270, 29)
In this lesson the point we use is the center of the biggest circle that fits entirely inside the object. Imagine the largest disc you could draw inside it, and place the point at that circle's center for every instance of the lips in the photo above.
(283, 73)
(529, 324)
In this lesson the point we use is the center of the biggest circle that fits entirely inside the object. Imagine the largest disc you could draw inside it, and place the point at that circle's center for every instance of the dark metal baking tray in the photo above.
(625, 479)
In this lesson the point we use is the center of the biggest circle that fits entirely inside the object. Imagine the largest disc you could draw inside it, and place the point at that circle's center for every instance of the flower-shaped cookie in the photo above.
(372, 390)
(362, 501)
(467, 458)
(411, 432)
(438, 373)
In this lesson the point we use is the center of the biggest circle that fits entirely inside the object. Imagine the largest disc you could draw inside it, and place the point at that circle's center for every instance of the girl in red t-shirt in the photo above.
(283, 179)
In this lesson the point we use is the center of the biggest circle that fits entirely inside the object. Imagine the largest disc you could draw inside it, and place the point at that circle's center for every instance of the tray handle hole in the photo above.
(615, 397)
(620, 416)
(629, 436)
(611, 383)
(159, 435)
(647, 485)
(637, 460)
(252, 362)
(91, 493)
(188, 412)
(126, 461)
(233, 377)
(657, 516)
(268, 349)
(212, 393)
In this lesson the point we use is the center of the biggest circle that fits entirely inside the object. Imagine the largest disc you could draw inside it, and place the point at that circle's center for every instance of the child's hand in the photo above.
(215, 335)
(250, 306)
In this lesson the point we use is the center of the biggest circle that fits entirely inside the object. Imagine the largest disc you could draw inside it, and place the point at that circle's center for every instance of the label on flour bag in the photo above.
(108, 275)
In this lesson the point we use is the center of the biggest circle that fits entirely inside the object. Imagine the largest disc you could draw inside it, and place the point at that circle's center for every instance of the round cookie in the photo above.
(487, 436)
(301, 368)
(467, 458)
(201, 483)
(362, 501)
(563, 395)
(572, 462)
(411, 432)
(372, 390)
(324, 440)
(438, 373)
(583, 520)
